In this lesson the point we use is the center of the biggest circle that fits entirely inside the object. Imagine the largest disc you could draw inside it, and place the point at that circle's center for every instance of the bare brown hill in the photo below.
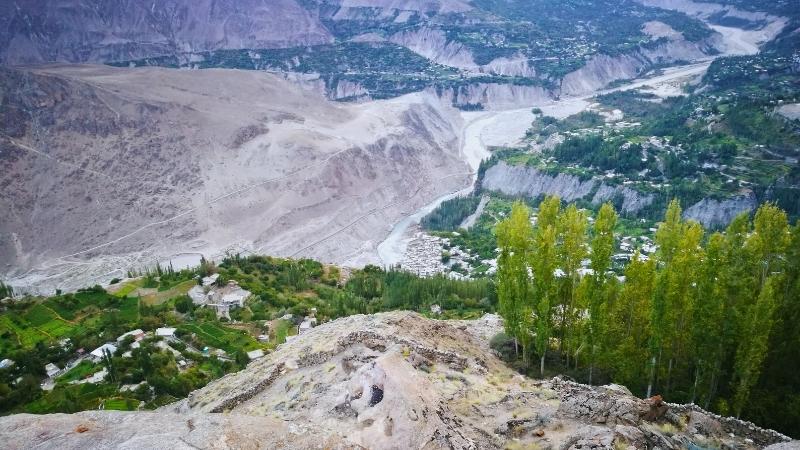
(103, 168)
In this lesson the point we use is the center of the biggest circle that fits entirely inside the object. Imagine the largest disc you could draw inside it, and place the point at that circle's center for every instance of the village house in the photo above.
(165, 332)
(98, 353)
(137, 334)
(221, 299)
(209, 280)
(52, 370)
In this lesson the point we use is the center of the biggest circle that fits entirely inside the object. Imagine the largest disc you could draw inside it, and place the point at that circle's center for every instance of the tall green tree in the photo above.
(630, 322)
(514, 238)
(708, 326)
(572, 226)
(769, 240)
(543, 263)
(667, 238)
(681, 276)
(602, 248)
(753, 347)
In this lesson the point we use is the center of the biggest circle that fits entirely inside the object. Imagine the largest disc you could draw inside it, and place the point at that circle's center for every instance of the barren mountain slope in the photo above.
(144, 164)
(99, 30)
(392, 381)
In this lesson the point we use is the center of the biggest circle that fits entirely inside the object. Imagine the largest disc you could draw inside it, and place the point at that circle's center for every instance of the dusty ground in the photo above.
(117, 168)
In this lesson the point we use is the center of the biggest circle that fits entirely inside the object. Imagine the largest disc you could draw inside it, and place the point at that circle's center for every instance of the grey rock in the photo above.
(719, 213)
(531, 182)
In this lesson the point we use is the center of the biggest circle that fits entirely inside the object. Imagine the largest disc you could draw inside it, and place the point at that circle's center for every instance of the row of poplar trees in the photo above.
(693, 322)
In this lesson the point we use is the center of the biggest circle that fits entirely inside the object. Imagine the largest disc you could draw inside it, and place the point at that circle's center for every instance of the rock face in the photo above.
(530, 182)
(113, 31)
(496, 96)
(391, 381)
(433, 44)
(602, 69)
(719, 213)
(108, 169)
(101, 31)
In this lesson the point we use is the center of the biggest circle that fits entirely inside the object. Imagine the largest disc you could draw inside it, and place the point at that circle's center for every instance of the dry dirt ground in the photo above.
(106, 169)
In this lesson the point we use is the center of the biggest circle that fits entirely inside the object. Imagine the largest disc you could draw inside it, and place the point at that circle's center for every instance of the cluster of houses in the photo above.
(97, 355)
(220, 299)
(428, 255)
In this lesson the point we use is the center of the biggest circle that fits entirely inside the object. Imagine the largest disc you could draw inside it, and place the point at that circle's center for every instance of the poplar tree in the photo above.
(681, 290)
(769, 240)
(602, 248)
(543, 262)
(544, 265)
(667, 238)
(513, 282)
(572, 225)
(630, 320)
(708, 326)
(753, 347)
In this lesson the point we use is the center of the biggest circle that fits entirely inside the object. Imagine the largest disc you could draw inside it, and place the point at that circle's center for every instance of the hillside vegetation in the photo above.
(708, 319)
(61, 329)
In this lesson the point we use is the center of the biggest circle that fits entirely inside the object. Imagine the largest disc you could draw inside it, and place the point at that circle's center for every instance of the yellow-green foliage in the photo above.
(668, 429)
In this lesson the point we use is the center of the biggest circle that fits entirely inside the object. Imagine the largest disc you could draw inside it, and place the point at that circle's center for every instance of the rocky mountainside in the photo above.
(528, 181)
(101, 31)
(517, 180)
(393, 380)
(490, 54)
(103, 169)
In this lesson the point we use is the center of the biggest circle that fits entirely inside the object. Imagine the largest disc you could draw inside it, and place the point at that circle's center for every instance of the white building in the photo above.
(97, 354)
(255, 354)
(52, 370)
(219, 299)
(165, 332)
(137, 334)
(209, 280)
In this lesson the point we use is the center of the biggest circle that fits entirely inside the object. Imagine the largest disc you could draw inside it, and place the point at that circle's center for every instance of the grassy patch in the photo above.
(221, 337)
(121, 404)
(127, 288)
(79, 372)
(159, 297)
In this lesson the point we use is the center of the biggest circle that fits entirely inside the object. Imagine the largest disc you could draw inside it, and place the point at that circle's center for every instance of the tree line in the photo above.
(708, 319)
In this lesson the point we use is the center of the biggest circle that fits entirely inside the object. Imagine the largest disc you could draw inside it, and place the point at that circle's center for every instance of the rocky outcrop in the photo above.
(432, 43)
(601, 70)
(517, 66)
(531, 182)
(496, 95)
(719, 213)
(392, 381)
(92, 430)
(348, 90)
(632, 200)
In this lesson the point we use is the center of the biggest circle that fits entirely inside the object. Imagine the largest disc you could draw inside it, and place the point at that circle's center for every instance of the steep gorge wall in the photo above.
(602, 69)
(719, 213)
(516, 180)
(530, 182)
